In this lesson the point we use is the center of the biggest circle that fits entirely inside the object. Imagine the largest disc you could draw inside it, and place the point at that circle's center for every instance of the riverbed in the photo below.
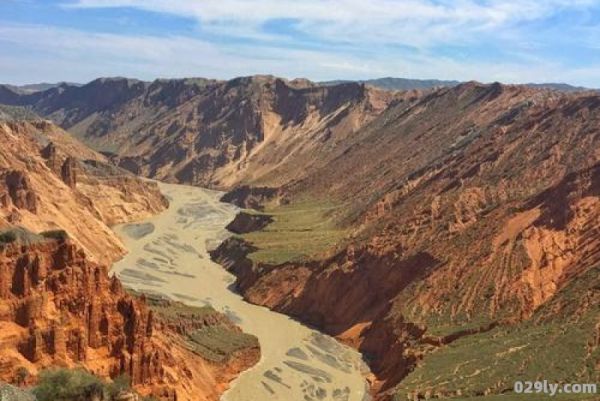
(168, 254)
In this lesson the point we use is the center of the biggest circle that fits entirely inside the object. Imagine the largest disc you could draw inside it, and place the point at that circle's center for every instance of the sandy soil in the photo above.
(168, 255)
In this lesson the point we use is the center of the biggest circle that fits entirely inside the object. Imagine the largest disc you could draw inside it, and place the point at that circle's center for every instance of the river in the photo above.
(168, 255)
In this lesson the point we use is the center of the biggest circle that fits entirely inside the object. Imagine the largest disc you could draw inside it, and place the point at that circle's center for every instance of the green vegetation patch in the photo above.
(529, 397)
(21, 235)
(217, 338)
(60, 235)
(218, 343)
(174, 311)
(298, 231)
(493, 361)
(78, 384)
(554, 345)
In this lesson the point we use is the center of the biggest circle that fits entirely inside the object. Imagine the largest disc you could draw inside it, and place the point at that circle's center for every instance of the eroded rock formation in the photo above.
(50, 181)
(495, 188)
(64, 309)
(59, 309)
(18, 191)
(68, 172)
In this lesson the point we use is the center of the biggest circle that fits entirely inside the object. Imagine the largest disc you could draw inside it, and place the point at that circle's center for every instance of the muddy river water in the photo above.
(168, 255)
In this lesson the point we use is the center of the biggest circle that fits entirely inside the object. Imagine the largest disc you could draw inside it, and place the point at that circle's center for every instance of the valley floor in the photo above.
(168, 255)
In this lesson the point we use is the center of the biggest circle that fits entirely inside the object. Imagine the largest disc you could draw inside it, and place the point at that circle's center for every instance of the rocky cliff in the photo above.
(50, 181)
(211, 133)
(469, 212)
(59, 309)
(58, 305)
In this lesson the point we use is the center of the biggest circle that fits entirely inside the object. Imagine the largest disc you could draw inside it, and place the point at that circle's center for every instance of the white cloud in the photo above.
(31, 52)
(34, 53)
(351, 39)
(408, 22)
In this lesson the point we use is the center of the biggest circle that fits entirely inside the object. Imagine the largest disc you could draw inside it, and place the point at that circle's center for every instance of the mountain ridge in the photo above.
(387, 83)
(447, 246)
(177, 130)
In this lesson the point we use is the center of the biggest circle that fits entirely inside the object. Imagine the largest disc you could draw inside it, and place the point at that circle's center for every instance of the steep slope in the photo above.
(211, 133)
(471, 212)
(58, 305)
(57, 309)
(51, 181)
(447, 220)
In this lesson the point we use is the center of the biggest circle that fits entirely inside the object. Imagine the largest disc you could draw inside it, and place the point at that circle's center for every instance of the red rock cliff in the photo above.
(59, 309)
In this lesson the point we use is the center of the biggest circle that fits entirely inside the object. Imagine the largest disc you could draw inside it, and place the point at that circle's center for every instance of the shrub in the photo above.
(120, 383)
(21, 375)
(79, 385)
(55, 234)
(7, 237)
(66, 385)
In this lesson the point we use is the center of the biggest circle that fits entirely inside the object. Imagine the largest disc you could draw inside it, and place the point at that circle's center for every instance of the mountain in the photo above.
(390, 83)
(32, 88)
(460, 231)
(559, 87)
(211, 133)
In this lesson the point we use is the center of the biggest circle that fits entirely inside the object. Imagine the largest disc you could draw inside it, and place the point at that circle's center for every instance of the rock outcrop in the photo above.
(51, 155)
(471, 212)
(248, 222)
(65, 310)
(68, 172)
(250, 197)
(50, 181)
(59, 309)
(18, 191)
(212, 133)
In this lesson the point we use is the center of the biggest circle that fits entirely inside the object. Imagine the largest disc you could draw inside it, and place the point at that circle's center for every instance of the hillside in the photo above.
(211, 133)
(470, 220)
(50, 181)
(59, 308)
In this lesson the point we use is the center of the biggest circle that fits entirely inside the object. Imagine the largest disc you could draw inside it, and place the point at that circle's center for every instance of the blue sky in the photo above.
(513, 41)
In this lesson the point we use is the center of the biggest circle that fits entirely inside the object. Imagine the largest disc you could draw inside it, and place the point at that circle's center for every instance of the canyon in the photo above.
(60, 307)
(169, 256)
(449, 234)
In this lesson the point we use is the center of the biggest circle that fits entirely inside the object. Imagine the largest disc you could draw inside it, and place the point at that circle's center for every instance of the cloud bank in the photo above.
(487, 40)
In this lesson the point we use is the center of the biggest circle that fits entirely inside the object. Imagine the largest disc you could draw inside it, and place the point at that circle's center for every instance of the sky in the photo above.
(511, 41)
